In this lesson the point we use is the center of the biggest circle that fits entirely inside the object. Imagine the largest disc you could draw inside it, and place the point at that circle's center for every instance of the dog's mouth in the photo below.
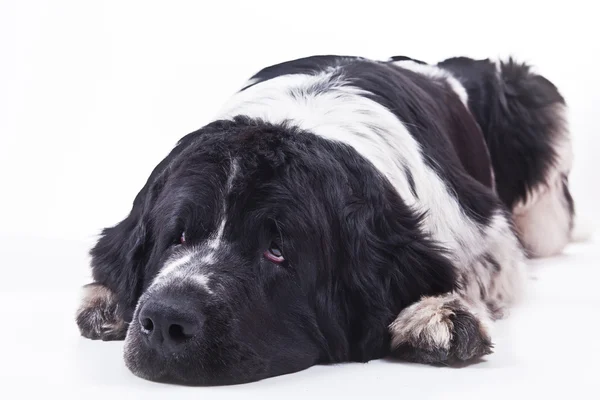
(169, 345)
(221, 361)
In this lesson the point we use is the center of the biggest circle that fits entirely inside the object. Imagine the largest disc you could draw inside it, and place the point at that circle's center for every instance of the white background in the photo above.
(94, 94)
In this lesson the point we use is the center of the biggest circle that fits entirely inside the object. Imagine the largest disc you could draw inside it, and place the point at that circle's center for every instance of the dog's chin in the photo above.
(142, 361)
(194, 365)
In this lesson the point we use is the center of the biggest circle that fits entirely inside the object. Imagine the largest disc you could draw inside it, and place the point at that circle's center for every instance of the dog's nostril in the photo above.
(147, 325)
(178, 334)
(165, 324)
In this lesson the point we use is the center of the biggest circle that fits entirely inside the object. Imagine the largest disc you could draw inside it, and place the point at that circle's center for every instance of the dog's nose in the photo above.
(167, 323)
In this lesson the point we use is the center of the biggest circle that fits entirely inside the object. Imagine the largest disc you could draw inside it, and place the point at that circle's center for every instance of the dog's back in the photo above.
(520, 144)
(523, 119)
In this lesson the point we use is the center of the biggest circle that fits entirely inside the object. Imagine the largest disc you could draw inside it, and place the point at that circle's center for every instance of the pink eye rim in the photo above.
(182, 238)
(274, 254)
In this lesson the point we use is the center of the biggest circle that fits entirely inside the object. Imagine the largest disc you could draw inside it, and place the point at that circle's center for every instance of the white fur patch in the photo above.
(208, 259)
(202, 280)
(344, 114)
(189, 266)
(543, 219)
(215, 242)
(497, 278)
(544, 225)
(436, 72)
(174, 265)
(426, 324)
(503, 287)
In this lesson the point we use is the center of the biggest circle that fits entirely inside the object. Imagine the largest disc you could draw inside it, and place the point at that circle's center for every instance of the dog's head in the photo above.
(256, 250)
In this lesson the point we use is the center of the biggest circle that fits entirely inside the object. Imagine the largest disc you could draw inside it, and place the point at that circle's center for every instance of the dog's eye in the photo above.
(182, 238)
(274, 254)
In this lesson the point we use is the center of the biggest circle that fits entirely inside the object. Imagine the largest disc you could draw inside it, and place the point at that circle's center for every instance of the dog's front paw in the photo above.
(439, 330)
(98, 316)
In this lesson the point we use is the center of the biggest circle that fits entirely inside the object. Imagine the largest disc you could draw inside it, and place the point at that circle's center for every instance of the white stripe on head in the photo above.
(174, 265)
(190, 264)
(202, 281)
(215, 241)
(208, 259)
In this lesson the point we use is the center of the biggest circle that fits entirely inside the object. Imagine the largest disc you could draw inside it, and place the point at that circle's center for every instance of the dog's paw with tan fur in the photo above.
(98, 316)
(439, 330)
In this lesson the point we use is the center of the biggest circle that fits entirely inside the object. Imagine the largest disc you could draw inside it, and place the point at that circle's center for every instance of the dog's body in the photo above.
(338, 209)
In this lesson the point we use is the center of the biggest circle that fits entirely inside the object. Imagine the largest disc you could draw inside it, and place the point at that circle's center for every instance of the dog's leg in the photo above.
(545, 222)
(454, 327)
(98, 316)
(442, 329)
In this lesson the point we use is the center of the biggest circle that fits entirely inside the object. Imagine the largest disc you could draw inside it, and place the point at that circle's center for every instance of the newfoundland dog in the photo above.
(338, 209)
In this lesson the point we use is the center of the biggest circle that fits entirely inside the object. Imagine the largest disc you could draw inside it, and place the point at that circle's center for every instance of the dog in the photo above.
(338, 209)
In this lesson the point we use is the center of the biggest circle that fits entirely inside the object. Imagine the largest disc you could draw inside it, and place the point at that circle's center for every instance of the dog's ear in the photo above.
(119, 257)
(393, 263)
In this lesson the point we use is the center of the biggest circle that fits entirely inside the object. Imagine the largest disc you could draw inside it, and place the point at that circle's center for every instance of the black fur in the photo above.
(516, 111)
(309, 65)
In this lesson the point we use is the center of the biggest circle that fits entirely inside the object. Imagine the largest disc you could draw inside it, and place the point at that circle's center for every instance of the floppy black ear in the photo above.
(392, 264)
(119, 257)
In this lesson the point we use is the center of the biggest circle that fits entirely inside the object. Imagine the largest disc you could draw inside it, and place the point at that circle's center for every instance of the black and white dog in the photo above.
(338, 209)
